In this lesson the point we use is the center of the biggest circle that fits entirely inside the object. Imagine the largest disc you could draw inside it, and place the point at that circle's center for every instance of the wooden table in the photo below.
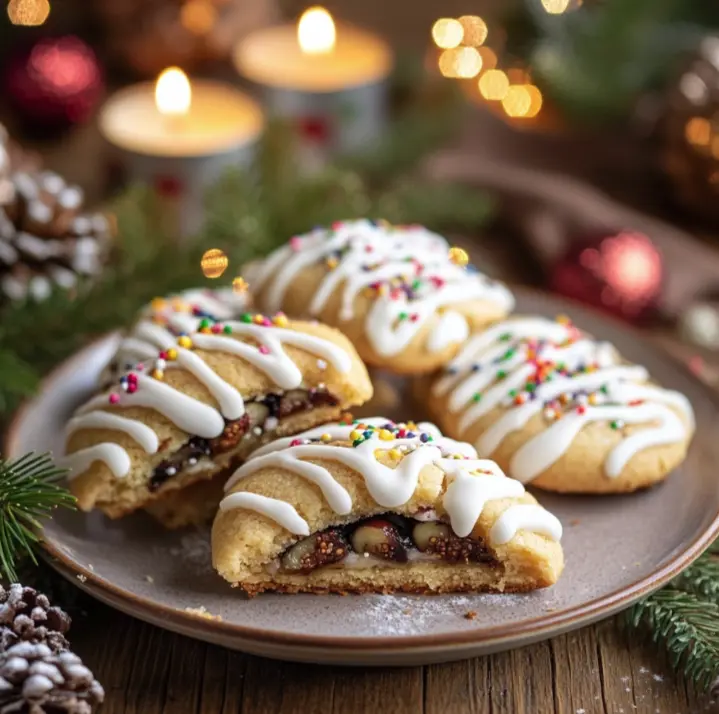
(597, 670)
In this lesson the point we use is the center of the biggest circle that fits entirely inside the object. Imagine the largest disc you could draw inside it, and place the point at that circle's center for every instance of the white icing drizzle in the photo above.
(369, 254)
(465, 497)
(279, 511)
(113, 455)
(141, 433)
(527, 517)
(196, 417)
(625, 398)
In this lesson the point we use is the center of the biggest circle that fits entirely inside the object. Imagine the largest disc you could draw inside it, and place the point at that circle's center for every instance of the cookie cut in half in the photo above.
(560, 410)
(205, 402)
(381, 507)
(393, 290)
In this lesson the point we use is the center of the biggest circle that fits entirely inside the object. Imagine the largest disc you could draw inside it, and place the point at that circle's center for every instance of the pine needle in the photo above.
(29, 492)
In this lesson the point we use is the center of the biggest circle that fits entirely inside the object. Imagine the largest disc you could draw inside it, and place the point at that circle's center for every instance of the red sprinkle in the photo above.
(581, 409)
(414, 317)
(163, 355)
(264, 349)
(295, 243)
(114, 398)
(216, 328)
(295, 442)
(132, 388)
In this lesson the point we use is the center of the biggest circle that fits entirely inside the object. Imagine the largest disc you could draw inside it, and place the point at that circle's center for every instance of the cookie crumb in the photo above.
(91, 566)
(149, 579)
(470, 615)
(82, 578)
(202, 612)
(574, 522)
(407, 612)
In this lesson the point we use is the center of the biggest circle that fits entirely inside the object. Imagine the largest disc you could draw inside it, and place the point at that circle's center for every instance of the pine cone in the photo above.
(27, 615)
(33, 680)
(46, 239)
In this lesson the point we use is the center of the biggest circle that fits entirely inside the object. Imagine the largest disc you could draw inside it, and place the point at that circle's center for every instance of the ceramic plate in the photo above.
(617, 548)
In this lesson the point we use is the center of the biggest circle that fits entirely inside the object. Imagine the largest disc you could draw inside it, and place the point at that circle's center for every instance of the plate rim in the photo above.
(584, 613)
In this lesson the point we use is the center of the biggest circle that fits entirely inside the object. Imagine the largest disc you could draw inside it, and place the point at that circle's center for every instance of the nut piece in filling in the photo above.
(380, 538)
(315, 551)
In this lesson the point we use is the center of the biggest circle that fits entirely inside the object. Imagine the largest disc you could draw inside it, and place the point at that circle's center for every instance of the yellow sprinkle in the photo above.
(459, 256)
(280, 320)
(180, 306)
(158, 374)
(456, 456)
(172, 353)
(563, 319)
(386, 435)
(184, 341)
(158, 304)
(411, 426)
(205, 330)
(239, 285)
(395, 453)
(354, 434)
(326, 437)
(332, 263)
(259, 319)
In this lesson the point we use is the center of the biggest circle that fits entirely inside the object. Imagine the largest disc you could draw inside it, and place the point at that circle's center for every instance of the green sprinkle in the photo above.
(530, 386)
(477, 397)
(204, 323)
(501, 374)
(416, 284)
(357, 442)
(604, 389)
(505, 337)
(227, 330)
(403, 316)
(512, 392)
(246, 317)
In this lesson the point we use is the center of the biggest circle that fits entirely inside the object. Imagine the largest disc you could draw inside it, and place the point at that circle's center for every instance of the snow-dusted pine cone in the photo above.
(26, 615)
(46, 239)
(33, 680)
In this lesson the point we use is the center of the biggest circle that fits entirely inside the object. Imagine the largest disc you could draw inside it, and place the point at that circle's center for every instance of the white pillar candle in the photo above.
(330, 81)
(179, 136)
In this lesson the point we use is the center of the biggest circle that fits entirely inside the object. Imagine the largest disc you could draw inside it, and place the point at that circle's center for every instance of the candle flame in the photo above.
(173, 94)
(316, 31)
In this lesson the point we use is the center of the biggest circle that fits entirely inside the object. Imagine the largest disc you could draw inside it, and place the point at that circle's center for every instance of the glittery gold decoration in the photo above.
(458, 256)
(214, 262)
(28, 12)
(239, 285)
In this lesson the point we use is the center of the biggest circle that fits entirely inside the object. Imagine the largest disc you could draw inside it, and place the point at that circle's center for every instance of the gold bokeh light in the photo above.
(698, 131)
(493, 85)
(475, 30)
(555, 7)
(447, 33)
(29, 13)
(517, 101)
(460, 63)
(198, 16)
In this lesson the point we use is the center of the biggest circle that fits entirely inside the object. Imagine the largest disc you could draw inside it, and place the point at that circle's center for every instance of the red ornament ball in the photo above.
(55, 83)
(619, 272)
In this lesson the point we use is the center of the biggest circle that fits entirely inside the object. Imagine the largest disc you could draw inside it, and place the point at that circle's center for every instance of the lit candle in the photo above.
(329, 80)
(179, 136)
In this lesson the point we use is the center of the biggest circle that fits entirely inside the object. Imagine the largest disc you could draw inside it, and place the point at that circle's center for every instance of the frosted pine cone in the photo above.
(33, 680)
(26, 615)
(46, 239)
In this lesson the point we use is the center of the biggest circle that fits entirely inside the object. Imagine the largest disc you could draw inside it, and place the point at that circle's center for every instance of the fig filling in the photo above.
(388, 537)
(261, 415)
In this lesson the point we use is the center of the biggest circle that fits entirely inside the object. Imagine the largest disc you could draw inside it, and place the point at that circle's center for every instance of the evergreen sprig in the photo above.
(29, 492)
(684, 617)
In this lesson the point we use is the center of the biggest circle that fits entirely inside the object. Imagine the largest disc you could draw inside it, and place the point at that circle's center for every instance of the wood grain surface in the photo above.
(602, 669)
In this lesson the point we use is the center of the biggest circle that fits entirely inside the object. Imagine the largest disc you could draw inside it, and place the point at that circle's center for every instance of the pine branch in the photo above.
(29, 492)
(688, 626)
(701, 578)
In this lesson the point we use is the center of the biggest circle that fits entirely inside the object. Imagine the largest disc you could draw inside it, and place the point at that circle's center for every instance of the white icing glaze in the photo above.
(506, 347)
(526, 517)
(189, 414)
(116, 458)
(370, 254)
(279, 511)
(466, 495)
(141, 433)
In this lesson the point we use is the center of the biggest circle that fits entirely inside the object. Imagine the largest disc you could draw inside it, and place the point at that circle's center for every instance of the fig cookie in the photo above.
(393, 290)
(556, 408)
(205, 402)
(165, 318)
(376, 506)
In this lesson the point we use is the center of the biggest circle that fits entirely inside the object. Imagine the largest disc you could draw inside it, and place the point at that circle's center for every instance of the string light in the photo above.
(698, 131)
(198, 16)
(517, 102)
(517, 75)
(474, 30)
(460, 63)
(493, 85)
(447, 33)
(30, 13)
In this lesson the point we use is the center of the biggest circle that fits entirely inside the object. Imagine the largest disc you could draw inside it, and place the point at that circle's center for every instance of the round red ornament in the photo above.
(54, 84)
(620, 272)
